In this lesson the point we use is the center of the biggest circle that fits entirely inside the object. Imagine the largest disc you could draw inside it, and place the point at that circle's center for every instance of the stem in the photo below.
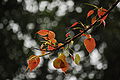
(76, 36)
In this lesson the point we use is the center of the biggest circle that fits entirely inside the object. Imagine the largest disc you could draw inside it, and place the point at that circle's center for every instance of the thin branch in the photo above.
(76, 36)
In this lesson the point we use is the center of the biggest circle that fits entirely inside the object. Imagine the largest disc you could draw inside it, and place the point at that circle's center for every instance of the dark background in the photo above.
(10, 45)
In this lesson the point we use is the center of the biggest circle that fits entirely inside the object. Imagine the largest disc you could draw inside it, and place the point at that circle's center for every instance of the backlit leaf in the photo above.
(89, 44)
(90, 13)
(33, 62)
(74, 24)
(101, 11)
(77, 59)
(68, 34)
(51, 35)
(93, 20)
(58, 63)
(42, 32)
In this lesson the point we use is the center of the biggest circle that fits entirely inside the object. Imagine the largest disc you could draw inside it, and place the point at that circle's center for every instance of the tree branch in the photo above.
(76, 36)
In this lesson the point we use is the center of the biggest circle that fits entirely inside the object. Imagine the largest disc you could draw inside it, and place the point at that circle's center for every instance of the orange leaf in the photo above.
(58, 63)
(89, 44)
(50, 47)
(90, 13)
(93, 20)
(53, 40)
(65, 68)
(33, 62)
(51, 35)
(60, 44)
(42, 32)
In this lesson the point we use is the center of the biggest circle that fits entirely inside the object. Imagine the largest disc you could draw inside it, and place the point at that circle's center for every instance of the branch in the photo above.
(76, 36)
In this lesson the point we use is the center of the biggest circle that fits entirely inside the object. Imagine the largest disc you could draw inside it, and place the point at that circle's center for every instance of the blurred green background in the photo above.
(20, 19)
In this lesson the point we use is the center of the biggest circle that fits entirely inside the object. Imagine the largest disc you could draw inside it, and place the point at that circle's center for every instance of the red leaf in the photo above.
(90, 13)
(67, 34)
(101, 11)
(74, 24)
(89, 44)
(50, 47)
(93, 20)
(33, 62)
(42, 32)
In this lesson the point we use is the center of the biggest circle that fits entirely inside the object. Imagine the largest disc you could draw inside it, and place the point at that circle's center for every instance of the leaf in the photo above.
(50, 47)
(93, 20)
(60, 44)
(51, 35)
(68, 34)
(74, 24)
(53, 40)
(101, 11)
(90, 13)
(42, 32)
(77, 59)
(58, 63)
(33, 62)
(65, 68)
(62, 56)
(89, 44)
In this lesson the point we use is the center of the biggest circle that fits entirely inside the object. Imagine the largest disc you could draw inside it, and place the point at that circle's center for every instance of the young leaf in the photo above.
(74, 24)
(51, 35)
(67, 34)
(93, 20)
(42, 32)
(33, 62)
(101, 11)
(77, 59)
(89, 44)
(60, 44)
(90, 13)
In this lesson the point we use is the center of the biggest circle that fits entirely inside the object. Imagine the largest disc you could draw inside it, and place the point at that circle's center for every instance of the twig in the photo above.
(76, 36)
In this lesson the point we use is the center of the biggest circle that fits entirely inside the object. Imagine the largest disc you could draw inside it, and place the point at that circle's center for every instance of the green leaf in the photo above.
(77, 59)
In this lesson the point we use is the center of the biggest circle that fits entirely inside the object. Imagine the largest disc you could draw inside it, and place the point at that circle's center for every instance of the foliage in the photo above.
(50, 44)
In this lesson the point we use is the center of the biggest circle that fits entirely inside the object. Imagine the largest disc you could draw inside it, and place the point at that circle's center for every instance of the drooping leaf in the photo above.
(89, 44)
(33, 62)
(77, 59)
(42, 32)
(93, 20)
(58, 63)
(66, 67)
(90, 13)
